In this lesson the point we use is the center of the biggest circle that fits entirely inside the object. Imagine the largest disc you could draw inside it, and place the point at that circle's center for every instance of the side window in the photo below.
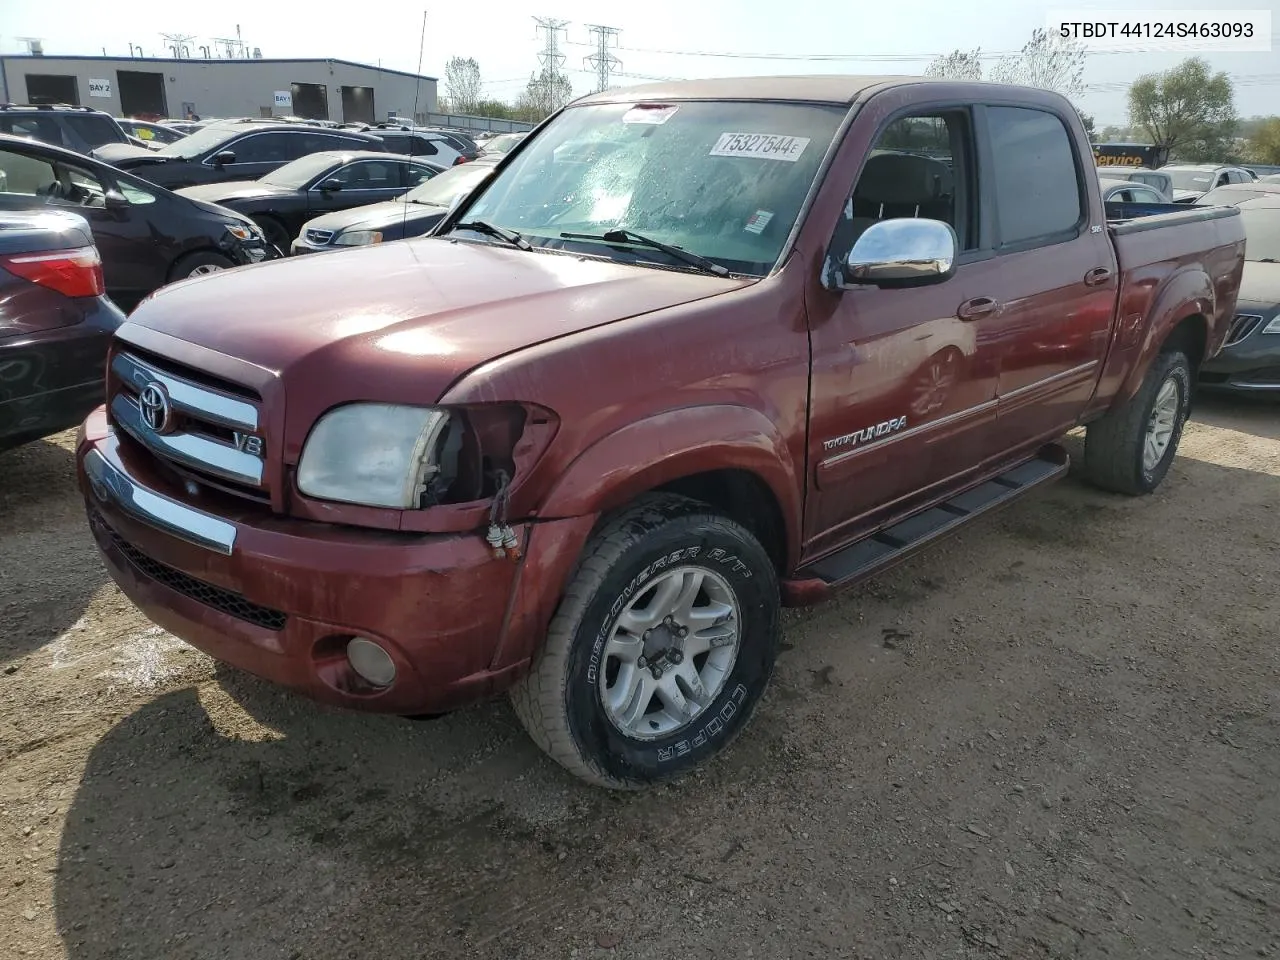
(415, 174)
(95, 129)
(921, 166)
(24, 177)
(1143, 195)
(370, 175)
(263, 148)
(422, 147)
(43, 129)
(1223, 179)
(136, 195)
(395, 143)
(1033, 169)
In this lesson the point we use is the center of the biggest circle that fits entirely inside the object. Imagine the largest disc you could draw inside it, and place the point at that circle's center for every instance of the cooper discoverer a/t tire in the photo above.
(1131, 449)
(661, 647)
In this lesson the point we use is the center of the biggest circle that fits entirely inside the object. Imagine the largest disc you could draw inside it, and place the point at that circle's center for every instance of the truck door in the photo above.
(903, 389)
(1057, 271)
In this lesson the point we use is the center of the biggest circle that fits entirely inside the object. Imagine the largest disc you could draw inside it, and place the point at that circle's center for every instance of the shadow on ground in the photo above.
(1080, 765)
(49, 566)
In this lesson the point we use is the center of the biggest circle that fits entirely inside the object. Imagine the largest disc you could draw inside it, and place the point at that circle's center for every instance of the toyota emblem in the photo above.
(157, 411)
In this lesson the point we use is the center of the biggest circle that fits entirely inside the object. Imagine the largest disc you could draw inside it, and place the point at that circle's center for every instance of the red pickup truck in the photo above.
(696, 351)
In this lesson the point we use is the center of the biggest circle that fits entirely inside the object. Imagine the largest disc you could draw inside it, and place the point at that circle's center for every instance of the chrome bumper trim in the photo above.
(111, 484)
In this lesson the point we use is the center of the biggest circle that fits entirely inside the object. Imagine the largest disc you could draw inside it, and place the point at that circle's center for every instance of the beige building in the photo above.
(320, 89)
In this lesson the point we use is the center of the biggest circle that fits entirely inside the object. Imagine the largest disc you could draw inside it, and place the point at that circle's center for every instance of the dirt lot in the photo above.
(1057, 734)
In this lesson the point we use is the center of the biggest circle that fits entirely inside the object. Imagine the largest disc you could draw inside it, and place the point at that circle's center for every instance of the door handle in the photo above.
(976, 308)
(1097, 276)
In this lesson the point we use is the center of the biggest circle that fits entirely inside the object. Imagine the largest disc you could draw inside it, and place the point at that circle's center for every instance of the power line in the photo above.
(602, 60)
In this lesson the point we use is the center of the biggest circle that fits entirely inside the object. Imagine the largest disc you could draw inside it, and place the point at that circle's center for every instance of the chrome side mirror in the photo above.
(906, 252)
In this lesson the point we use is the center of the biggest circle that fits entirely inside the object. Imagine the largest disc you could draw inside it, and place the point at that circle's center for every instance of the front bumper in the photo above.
(1250, 366)
(279, 597)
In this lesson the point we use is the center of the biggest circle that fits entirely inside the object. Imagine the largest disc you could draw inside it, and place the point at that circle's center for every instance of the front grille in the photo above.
(224, 601)
(211, 431)
(319, 237)
(1243, 325)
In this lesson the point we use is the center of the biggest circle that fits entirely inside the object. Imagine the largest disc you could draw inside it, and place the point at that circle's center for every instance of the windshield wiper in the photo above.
(635, 239)
(483, 226)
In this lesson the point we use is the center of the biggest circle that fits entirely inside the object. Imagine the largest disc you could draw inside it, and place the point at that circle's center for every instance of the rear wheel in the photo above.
(198, 264)
(662, 646)
(1131, 449)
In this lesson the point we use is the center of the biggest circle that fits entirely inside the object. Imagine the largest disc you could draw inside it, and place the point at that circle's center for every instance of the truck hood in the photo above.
(400, 322)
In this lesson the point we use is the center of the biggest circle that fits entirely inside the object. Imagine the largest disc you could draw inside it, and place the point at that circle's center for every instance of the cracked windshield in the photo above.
(722, 181)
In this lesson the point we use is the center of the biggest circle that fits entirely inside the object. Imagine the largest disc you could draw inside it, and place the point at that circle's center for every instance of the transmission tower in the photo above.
(177, 42)
(602, 61)
(550, 58)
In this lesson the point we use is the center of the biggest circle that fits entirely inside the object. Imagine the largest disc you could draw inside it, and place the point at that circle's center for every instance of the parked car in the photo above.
(281, 202)
(1158, 180)
(55, 324)
(411, 216)
(458, 140)
(154, 135)
(417, 142)
(81, 129)
(501, 144)
(584, 440)
(146, 236)
(1270, 178)
(1193, 180)
(1126, 191)
(1250, 359)
(233, 150)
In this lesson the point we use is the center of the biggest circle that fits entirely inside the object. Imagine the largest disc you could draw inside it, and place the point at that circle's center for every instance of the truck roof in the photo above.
(815, 88)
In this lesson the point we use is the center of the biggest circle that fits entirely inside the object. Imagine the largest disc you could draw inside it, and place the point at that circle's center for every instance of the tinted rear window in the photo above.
(1034, 170)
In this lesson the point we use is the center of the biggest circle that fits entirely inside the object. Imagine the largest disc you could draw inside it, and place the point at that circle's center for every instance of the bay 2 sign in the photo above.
(99, 88)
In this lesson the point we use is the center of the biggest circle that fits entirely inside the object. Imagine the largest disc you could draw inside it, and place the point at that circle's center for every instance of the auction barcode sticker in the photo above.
(1103, 30)
(766, 146)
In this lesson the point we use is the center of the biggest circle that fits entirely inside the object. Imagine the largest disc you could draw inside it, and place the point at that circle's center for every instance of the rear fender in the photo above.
(675, 444)
(1187, 294)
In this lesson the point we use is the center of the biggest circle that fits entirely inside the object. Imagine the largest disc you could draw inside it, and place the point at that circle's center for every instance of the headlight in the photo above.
(376, 454)
(357, 238)
(244, 232)
(1273, 325)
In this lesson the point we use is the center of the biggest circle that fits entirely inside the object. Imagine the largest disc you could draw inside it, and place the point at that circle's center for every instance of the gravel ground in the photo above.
(1055, 735)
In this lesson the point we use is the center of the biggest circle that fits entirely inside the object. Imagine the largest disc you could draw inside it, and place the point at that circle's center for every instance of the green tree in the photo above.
(1088, 126)
(545, 93)
(956, 65)
(1264, 144)
(462, 84)
(1187, 109)
(1048, 61)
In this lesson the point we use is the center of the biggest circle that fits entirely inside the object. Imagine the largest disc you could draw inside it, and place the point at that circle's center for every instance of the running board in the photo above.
(891, 544)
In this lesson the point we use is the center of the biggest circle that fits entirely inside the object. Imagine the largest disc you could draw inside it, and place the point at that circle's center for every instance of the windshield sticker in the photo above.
(654, 113)
(764, 146)
(758, 221)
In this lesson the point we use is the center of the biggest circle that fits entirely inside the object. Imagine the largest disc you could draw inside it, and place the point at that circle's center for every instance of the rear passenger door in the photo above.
(260, 153)
(1056, 273)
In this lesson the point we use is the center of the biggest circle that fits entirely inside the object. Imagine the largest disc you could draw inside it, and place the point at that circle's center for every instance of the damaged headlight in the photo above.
(375, 454)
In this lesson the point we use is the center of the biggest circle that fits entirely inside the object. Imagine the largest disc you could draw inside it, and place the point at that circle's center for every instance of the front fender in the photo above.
(1188, 293)
(679, 443)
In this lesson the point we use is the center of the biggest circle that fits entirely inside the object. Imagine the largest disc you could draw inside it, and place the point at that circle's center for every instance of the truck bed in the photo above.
(1126, 218)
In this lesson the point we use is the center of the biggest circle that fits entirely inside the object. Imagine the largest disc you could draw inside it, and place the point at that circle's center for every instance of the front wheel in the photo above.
(198, 264)
(1131, 449)
(660, 650)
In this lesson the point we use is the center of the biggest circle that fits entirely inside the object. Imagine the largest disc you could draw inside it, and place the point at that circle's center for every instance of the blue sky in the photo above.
(500, 34)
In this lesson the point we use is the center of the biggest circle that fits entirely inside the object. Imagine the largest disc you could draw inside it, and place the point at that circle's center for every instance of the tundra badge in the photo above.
(865, 434)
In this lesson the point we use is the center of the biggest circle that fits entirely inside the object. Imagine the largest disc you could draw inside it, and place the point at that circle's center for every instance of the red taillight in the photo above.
(74, 273)
(461, 159)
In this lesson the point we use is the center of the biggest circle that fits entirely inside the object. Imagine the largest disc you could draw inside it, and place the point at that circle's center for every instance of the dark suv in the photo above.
(81, 129)
(232, 150)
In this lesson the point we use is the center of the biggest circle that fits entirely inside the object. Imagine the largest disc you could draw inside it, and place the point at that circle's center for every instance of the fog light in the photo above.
(370, 661)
